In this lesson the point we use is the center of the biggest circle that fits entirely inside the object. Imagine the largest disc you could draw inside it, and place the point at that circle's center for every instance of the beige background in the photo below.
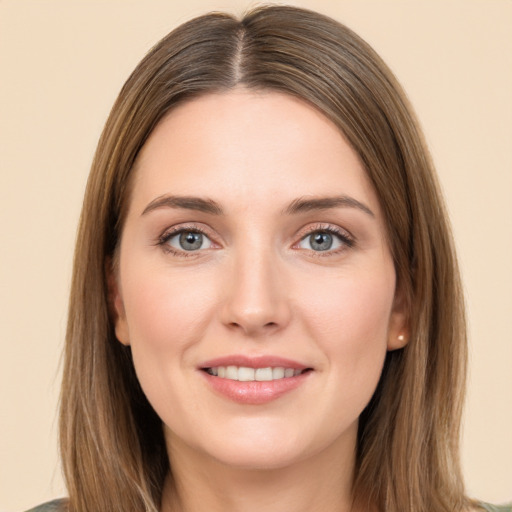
(62, 63)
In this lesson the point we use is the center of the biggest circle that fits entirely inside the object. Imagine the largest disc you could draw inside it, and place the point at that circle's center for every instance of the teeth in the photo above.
(232, 372)
(277, 373)
(246, 374)
(263, 374)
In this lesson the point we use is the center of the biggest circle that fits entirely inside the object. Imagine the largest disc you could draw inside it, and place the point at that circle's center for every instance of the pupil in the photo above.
(191, 241)
(321, 241)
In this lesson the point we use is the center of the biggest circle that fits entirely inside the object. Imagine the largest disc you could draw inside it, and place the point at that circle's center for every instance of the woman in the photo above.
(266, 308)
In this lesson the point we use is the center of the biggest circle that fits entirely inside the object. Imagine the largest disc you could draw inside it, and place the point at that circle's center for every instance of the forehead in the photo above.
(246, 144)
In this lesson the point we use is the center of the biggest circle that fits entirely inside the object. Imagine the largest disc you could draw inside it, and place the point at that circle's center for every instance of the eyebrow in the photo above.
(299, 205)
(307, 204)
(185, 202)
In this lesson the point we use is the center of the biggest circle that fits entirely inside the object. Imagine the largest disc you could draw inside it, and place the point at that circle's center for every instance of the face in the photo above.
(255, 284)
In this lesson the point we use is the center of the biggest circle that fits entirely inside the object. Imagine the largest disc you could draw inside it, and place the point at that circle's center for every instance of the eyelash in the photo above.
(345, 238)
(167, 235)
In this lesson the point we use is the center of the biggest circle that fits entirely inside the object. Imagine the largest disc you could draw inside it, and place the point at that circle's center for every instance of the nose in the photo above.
(255, 302)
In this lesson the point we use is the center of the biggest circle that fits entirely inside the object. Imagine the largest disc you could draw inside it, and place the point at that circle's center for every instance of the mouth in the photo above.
(254, 380)
(249, 374)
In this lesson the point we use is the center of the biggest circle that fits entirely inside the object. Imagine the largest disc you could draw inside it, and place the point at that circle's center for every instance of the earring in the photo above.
(401, 337)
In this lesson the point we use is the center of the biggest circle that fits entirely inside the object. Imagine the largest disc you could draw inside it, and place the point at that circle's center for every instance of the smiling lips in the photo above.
(246, 374)
(254, 381)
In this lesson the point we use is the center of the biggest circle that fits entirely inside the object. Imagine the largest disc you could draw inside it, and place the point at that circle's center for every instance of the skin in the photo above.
(256, 287)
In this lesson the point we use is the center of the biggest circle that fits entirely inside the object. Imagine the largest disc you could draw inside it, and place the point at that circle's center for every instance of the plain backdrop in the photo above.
(62, 63)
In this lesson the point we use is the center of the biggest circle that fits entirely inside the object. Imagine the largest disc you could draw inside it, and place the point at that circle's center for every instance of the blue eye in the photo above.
(188, 240)
(323, 240)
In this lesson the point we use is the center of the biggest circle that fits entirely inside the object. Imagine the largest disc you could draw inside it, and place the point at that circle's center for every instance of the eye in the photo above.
(188, 240)
(323, 240)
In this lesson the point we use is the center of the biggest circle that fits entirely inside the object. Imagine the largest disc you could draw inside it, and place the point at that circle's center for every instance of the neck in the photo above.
(320, 483)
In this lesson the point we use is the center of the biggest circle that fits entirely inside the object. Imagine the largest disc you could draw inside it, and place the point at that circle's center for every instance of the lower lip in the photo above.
(254, 392)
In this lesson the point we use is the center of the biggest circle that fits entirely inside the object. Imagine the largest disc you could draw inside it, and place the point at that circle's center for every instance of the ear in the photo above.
(398, 329)
(116, 304)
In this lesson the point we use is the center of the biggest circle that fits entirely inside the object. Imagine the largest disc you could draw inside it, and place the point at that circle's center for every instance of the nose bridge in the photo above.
(256, 299)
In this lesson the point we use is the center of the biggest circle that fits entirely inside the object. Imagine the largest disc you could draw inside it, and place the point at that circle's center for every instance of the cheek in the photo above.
(351, 321)
(165, 313)
(359, 304)
(166, 318)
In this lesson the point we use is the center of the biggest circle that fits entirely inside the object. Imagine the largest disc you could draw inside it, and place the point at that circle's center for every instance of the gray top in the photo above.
(60, 506)
(51, 506)
(496, 508)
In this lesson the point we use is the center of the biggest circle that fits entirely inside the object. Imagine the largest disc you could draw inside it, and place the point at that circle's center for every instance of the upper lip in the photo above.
(263, 361)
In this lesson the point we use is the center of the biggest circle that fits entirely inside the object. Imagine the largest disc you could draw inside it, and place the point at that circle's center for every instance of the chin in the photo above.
(267, 448)
(258, 458)
(244, 446)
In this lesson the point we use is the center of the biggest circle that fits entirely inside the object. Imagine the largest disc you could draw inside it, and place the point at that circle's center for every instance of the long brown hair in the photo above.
(112, 443)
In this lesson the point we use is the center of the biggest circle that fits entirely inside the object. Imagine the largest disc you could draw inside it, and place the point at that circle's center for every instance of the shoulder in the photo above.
(496, 508)
(59, 505)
